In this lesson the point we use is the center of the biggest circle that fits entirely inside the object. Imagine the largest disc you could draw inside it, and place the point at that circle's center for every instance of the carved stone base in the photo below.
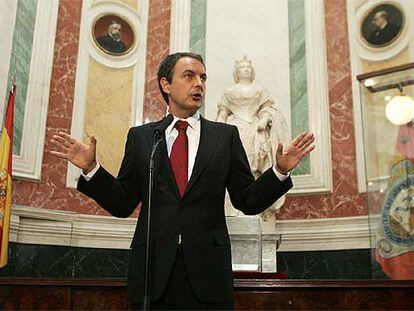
(254, 244)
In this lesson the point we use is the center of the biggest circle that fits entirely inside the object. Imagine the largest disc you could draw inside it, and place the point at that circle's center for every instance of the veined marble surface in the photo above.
(20, 62)
(298, 77)
(253, 243)
(7, 18)
(108, 112)
(157, 48)
(345, 199)
(198, 27)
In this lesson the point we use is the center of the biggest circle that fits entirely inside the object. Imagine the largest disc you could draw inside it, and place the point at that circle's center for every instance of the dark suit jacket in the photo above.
(198, 216)
(384, 35)
(108, 43)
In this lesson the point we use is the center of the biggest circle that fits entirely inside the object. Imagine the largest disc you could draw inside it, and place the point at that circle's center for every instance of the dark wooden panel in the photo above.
(34, 298)
(289, 300)
(373, 299)
(85, 298)
(249, 294)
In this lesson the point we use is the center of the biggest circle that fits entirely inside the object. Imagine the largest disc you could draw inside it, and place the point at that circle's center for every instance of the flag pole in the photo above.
(6, 156)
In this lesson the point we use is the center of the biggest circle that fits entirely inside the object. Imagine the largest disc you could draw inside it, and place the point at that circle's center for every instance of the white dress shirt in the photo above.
(193, 134)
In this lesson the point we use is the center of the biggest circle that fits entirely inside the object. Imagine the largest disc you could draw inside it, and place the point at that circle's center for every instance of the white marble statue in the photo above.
(261, 124)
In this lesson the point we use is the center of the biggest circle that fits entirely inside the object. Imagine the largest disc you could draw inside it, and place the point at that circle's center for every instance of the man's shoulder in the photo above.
(151, 126)
(104, 38)
(144, 128)
(219, 125)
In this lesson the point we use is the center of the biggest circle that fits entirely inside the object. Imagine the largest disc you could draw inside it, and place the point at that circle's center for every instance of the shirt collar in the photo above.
(192, 121)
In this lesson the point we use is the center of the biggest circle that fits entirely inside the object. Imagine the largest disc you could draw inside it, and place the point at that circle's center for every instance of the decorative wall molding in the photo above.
(42, 226)
(375, 54)
(320, 178)
(358, 52)
(28, 164)
(137, 21)
(180, 26)
(324, 234)
(87, 49)
(7, 18)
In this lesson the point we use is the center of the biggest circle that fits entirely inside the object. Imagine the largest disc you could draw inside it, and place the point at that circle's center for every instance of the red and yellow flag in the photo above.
(6, 152)
(395, 233)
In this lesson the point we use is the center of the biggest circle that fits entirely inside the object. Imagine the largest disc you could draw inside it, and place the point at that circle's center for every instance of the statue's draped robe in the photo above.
(245, 105)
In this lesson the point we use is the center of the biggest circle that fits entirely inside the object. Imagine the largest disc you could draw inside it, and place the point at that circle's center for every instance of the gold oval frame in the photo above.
(368, 12)
(126, 21)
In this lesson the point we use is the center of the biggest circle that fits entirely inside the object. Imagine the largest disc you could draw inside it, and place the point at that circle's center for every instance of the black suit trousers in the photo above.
(178, 294)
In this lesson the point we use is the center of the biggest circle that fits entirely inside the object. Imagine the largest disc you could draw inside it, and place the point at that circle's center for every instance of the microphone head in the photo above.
(160, 129)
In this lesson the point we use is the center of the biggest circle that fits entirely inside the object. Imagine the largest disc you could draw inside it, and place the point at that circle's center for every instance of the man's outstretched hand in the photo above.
(287, 159)
(77, 153)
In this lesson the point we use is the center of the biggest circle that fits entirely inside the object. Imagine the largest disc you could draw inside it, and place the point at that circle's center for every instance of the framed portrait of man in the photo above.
(113, 35)
(382, 25)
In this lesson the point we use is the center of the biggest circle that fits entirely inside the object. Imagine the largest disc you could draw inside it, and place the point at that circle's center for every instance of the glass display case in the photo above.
(388, 114)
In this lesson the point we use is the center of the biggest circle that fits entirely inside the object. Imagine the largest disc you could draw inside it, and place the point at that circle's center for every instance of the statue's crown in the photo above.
(243, 60)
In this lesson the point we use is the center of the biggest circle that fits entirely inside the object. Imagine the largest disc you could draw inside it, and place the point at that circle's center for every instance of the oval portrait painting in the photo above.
(382, 25)
(113, 35)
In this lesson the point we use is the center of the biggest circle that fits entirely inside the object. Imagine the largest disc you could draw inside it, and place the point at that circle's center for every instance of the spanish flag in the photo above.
(6, 152)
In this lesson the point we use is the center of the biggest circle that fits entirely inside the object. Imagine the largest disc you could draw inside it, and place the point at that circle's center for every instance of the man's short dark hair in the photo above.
(166, 69)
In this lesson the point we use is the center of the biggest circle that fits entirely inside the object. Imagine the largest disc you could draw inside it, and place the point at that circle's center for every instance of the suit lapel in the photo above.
(165, 166)
(208, 140)
(162, 161)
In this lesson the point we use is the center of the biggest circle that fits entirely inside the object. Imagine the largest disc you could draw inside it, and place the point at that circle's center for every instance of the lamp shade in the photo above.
(400, 110)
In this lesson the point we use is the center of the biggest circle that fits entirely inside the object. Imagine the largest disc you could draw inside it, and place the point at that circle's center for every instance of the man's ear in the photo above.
(166, 87)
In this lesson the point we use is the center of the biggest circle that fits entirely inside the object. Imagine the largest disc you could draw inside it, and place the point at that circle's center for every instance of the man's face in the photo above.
(188, 86)
(115, 31)
(379, 21)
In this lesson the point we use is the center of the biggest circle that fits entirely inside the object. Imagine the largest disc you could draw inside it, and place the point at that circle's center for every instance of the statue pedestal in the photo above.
(254, 244)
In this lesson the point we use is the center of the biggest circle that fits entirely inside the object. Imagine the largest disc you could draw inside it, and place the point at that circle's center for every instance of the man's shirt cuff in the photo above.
(91, 173)
(280, 176)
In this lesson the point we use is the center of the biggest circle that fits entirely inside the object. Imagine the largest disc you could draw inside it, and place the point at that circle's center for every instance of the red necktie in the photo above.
(179, 156)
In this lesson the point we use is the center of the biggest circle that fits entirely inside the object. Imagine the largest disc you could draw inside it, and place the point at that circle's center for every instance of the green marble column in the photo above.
(20, 62)
(298, 79)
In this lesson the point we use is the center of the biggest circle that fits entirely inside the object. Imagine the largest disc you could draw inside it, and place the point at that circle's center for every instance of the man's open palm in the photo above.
(287, 159)
(79, 154)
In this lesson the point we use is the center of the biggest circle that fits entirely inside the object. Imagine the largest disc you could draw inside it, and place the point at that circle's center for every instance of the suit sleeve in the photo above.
(119, 196)
(246, 194)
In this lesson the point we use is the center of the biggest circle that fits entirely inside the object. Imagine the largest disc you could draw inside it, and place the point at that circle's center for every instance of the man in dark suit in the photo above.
(384, 31)
(112, 40)
(196, 162)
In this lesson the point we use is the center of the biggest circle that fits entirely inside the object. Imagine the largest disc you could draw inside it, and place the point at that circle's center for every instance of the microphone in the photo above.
(160, 129)
(158, 136)
(158, 132)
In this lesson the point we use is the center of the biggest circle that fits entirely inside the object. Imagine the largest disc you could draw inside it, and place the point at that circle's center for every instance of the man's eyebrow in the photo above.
(188, 71)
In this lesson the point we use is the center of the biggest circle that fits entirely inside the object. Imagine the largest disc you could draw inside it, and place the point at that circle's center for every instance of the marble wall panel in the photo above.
(51, 191)
(198, 27)
(298, 76)
(345, 199)
(47, 261)
(7, 17)
(108, 112)
(157, 48)
(21, 55)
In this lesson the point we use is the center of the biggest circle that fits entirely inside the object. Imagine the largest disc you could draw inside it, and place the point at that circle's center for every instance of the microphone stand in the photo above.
(157, 139)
